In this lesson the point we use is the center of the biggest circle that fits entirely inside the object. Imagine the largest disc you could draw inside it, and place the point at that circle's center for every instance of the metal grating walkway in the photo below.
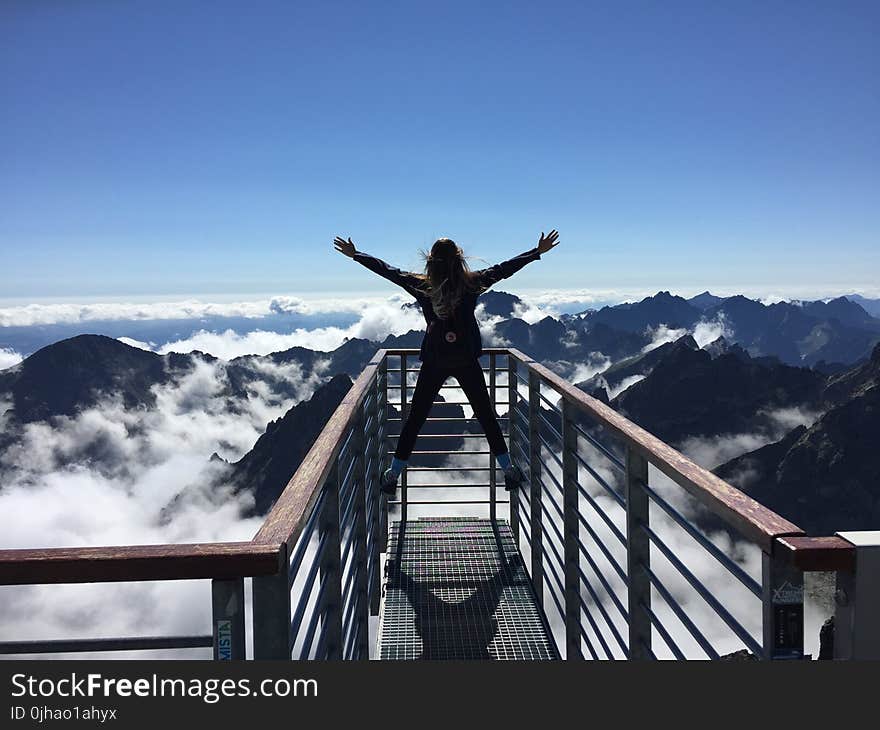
(455, 588)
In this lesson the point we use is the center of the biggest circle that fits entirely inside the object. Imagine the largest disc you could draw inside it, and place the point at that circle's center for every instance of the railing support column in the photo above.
(536, 523)
(330, 568)
(857, 612)
(403, 415)
(361, 614)
(512, 399)
(383, 447)
(227, 607)
(492, 471)
(783, 600)
(379, 505)
(271, 611)
(857, 616)
(571, 534)
(638, 556)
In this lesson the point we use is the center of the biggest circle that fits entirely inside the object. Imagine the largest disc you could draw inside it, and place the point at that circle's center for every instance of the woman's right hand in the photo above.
(545, 244)
(345, 247)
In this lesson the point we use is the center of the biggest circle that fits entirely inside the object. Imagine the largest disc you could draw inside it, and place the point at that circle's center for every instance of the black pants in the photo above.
(470, 378)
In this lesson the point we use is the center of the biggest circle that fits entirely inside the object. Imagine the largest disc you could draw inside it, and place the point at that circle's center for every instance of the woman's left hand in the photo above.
(345, 247)
(545, 244)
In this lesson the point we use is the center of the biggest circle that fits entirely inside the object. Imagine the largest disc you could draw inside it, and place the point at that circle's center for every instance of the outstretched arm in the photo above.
(494, 274)
(402, 278)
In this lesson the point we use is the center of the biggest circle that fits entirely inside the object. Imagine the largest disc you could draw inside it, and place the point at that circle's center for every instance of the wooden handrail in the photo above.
(817, 553)
(138, 562)
(289, 514)
(752, 519)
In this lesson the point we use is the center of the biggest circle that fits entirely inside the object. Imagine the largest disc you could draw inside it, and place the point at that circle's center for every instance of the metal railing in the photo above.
(597, 520)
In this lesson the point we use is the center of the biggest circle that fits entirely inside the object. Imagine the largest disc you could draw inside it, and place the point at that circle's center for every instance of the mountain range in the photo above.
(762, 361)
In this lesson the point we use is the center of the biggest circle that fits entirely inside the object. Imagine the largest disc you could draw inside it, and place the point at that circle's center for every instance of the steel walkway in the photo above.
(457, 588)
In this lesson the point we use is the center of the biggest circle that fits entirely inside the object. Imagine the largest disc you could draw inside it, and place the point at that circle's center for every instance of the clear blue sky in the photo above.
(154, 147)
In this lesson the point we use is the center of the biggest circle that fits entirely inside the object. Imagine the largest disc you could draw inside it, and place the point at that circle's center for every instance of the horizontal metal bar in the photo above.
(457, 485)
(553, 406)
(396, 404)
(445, 452)
(411, 502)
(442, 436)
(613, 458)
(704, 542)
(304, 539)
(681, 613)
(308, 586)
(309, 637)
(133, 643)
(438, 419)
(667, 637)
(598, 602)
(495, 467)
(704, 592)
(599, 511)
(607, 487)
(589, 614)
(410, 485)
(550, 427)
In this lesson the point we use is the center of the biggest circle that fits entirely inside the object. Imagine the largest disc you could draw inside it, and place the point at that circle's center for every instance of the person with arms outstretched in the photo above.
(447, 293)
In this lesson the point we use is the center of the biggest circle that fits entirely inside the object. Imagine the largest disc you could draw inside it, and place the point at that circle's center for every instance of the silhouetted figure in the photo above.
(447, 292)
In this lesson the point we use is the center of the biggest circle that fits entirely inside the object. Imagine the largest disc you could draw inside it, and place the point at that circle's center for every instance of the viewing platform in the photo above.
(617, 546)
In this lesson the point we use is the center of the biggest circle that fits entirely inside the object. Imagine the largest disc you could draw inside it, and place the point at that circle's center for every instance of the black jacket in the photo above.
(469, 342)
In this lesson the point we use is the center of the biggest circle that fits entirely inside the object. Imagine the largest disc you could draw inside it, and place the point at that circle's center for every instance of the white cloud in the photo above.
(148, 346)
(661, 334)
(68, 313)
(706, 332)
(596, 363)
(8, 358)
(55, 492)
(616, 390)
(772, 425)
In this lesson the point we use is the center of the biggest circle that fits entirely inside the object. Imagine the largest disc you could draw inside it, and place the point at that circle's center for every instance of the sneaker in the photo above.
(513, 477)
(388, 482)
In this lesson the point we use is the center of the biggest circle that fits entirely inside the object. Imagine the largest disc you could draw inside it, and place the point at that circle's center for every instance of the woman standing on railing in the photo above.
(447, 292)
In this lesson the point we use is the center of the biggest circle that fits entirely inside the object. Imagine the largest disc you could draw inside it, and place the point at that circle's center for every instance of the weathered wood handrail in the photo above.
(138, 562)
(754, 521)
(288, 515)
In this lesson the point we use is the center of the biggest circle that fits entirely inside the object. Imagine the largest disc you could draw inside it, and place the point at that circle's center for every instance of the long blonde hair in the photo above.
(447, 276)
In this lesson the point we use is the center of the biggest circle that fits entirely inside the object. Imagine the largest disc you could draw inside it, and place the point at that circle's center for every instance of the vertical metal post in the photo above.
(227, 608)
(383, 447)
(638, 556)
(403, 415)
(783, 614)
(570, 533)
(271, 609)
(537, 525)
(330, 606)
(361, 614)
(512, 400)
(493, 509)
(380, 413)
(857, 615)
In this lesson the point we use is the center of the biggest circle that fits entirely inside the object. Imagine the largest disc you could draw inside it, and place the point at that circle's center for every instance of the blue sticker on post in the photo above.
(224, 639)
